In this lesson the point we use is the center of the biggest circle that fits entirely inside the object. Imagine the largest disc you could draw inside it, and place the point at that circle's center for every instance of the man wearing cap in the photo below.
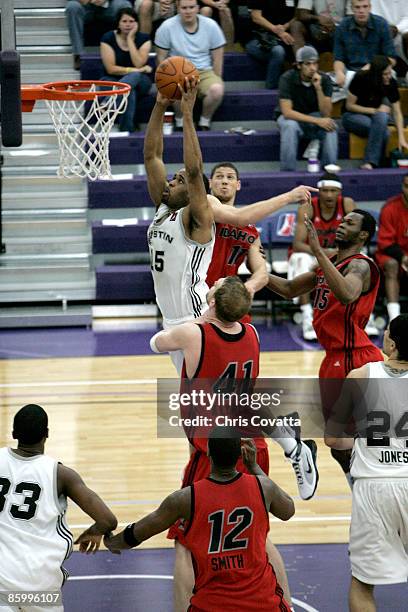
(305, 104)
(326, 212)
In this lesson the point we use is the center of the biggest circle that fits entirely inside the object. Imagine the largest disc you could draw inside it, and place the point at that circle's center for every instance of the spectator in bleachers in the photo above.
(221, 12)
(80, 11)
(326, 211)
(396, 13)
(306, 107)
(125, 53)
(272, 41)
(357, 39)
(316, 21)
(372, 94)
(392, 253)
(150, 11)
(201, 40)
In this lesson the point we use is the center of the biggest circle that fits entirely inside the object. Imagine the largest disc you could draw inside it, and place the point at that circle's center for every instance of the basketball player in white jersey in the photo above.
(379, 520)
(181, 236)
(34, 538)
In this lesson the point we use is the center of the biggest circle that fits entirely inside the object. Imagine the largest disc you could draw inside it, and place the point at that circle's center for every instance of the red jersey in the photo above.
(393, 225)
(230, 250)
(224, 358)
(340, 327)
(326, 228)
(226, 535)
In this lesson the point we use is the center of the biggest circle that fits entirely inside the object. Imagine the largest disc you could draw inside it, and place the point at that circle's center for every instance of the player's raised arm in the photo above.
(257, 265)
(198, 217)
(176, 505)
(259, 210)
(347, 288)
(153, 151)
(71, 485)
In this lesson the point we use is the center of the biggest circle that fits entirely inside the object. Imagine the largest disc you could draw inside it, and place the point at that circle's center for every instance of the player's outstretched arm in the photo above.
(259, 210)
(176, 505)
(177, 339)
(153, 151)
(304, 283)
(198, 217)
(71, 485)
(347, 288)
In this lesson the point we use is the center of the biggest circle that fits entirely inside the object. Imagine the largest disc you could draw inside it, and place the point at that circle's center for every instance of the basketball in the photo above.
(171, 72)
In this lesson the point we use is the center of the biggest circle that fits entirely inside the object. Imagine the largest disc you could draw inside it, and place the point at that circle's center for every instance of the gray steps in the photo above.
(17, 277)
(51, 316)
(44, 227)
(46, 184)
(36, 292)
(33, 5)
(16, 202)
(45, 245)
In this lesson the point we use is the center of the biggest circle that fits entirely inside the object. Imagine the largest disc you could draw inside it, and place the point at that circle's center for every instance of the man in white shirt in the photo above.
(396, 13)
(201, 40)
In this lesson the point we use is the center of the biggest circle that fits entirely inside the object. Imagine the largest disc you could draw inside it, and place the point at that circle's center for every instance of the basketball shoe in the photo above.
(303, 460)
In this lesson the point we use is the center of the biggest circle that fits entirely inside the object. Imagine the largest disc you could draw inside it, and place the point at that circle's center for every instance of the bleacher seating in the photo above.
(237, 67)
(215, 146)
(361, 185)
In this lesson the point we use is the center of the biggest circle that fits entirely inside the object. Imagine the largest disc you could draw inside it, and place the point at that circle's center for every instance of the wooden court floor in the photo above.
(102, 413)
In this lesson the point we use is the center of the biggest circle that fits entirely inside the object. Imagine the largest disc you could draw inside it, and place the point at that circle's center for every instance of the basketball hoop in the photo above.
(83, 114)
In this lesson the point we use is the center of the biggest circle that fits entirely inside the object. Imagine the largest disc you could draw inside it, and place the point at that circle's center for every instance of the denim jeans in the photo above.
(373, 126)
(290, 133)
(77, 14)
(274, 60)
(141, 85)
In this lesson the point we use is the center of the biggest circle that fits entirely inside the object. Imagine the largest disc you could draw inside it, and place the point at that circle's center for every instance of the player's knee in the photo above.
(391, 268)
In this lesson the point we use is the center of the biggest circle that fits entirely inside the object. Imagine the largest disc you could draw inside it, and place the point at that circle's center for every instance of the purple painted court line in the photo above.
(318, 575)
(81, 342)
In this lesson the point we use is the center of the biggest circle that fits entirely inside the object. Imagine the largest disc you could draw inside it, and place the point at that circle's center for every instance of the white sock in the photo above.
(179, 121)
(393, 309)
(287, 444)
(204, 122)
(307, 312)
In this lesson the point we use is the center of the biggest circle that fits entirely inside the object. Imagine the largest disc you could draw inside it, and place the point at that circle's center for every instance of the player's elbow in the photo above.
(287, 510)
(107, 522)
(347, 298)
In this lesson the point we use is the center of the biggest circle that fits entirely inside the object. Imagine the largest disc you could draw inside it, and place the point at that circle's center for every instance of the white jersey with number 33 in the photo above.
(179, 267)
(34, 540)
(384, 454)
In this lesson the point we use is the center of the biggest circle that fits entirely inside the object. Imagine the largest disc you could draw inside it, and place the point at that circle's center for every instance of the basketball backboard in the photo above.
(10, 79)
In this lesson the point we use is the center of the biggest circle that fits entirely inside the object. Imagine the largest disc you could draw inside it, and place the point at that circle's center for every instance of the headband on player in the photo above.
(329, 183)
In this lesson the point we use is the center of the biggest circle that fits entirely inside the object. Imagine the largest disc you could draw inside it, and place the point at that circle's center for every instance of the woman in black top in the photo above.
(125, 53)
(372, 95)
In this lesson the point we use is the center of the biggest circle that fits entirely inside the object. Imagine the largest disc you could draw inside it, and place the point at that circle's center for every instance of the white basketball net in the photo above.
(83, 129)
